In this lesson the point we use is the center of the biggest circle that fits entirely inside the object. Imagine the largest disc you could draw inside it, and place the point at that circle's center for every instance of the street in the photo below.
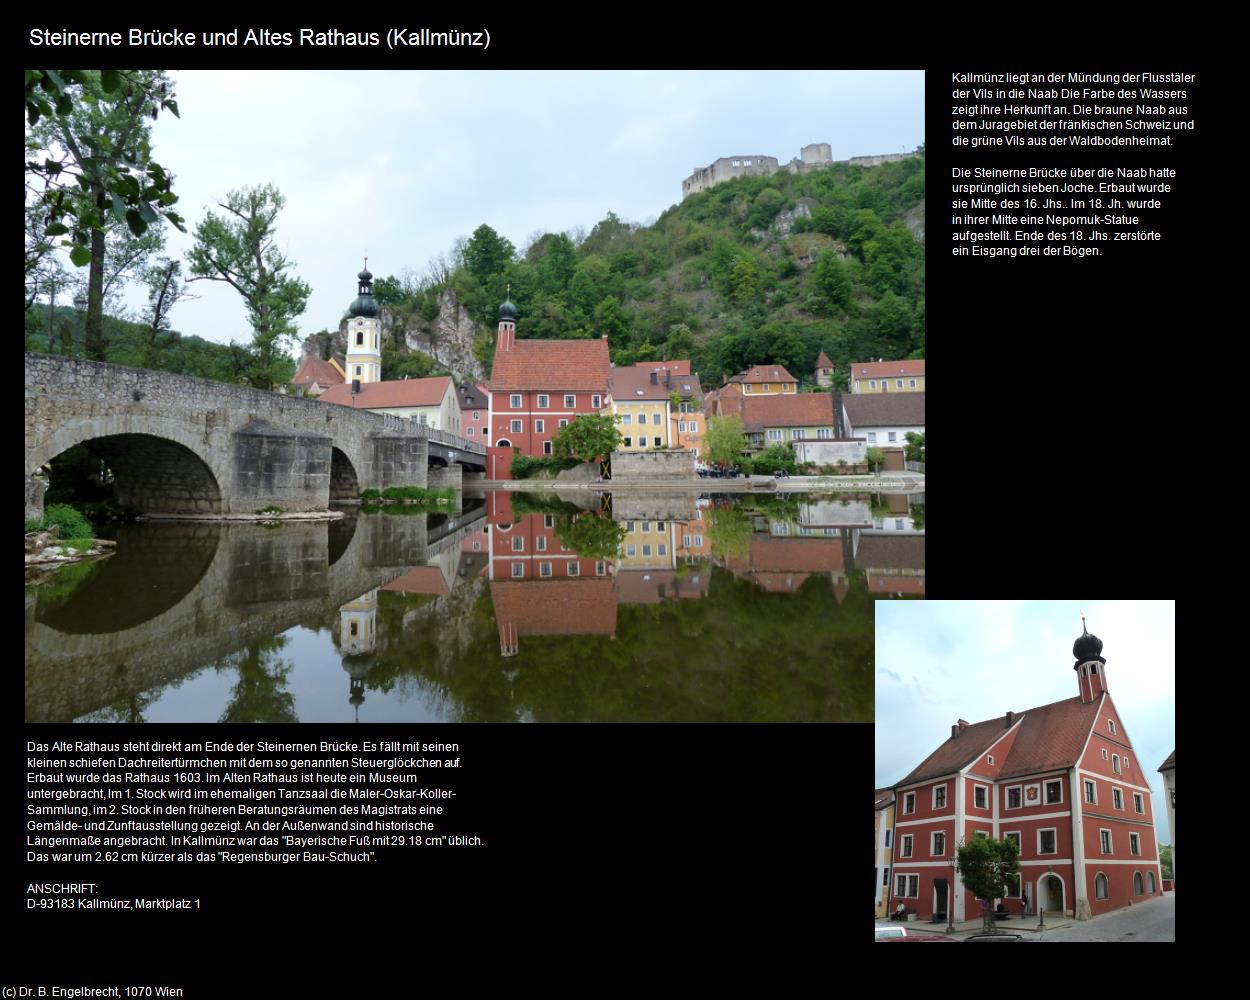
(1151, 921)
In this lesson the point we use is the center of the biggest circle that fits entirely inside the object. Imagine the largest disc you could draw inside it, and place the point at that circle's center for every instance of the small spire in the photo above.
(1084, 630)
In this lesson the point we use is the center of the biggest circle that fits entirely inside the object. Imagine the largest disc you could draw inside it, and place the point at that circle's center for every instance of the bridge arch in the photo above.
(344, 481)
(157, 464)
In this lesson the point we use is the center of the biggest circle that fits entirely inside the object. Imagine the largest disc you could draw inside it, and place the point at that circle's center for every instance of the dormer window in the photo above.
(989, 760)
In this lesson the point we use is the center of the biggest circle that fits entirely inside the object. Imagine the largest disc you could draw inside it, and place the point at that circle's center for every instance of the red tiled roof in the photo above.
(822, 361)
(885, 409)
(556, 607)
(883, 796)
(1050, 737)
(809, 409)
(895, 584)
(422, 580)
(885, 369)
(634, 382)
(558, 365)
(1169, 763)
(676, 367)
(642, 586)
(316, 370)
(792, 555)
(397, 392)
(890, 552)
(764, 373)
(473, 397)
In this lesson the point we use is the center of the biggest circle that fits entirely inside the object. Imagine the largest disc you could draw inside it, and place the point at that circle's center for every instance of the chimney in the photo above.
(954, 731)
(1011, 718)
(355, 386)
(654, 379)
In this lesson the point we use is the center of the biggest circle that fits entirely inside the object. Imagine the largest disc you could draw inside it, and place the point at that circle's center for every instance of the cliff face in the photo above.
(448, 339)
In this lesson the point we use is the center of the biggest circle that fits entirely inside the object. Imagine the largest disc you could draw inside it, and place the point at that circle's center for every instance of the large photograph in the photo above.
(517, 396)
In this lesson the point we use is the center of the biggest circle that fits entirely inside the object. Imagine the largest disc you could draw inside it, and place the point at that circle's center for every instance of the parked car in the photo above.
(890, 931)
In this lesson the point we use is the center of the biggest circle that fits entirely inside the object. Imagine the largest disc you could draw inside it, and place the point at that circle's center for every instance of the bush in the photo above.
(270, 509)
(779, 456)
(523, 467)
(33, 524)
(417, 493)
(370, 494)
(71, 522)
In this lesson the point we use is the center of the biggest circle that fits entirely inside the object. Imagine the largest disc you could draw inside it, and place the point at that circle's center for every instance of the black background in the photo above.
(722, 850)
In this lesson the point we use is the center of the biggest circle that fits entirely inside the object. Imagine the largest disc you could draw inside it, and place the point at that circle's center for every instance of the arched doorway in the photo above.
(155, 475)
(1050, 893)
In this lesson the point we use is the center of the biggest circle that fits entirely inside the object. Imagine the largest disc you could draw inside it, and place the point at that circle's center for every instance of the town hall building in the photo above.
(1062, 779)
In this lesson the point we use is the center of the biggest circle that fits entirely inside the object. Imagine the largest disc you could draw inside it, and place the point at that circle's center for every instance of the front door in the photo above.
(940, 895)
(1053, 893)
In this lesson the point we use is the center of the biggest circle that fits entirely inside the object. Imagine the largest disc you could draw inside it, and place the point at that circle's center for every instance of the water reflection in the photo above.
(518, 607)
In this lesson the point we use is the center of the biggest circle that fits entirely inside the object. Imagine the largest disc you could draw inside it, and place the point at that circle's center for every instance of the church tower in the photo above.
(364, 333)
(1090, 667)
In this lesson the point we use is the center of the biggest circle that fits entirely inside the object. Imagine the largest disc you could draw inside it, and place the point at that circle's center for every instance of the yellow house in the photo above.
(887, 376)
(885, 847)
(765, 380)
(655, 406)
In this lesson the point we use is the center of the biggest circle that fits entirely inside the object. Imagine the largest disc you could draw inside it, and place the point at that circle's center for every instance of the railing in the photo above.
(914, 466)
(412, 425)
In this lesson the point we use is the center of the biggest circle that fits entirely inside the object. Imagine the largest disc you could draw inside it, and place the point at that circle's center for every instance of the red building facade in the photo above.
(1062, 779)
(538, 386)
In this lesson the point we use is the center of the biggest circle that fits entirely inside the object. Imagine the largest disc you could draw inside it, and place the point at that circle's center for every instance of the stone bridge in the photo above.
(179, 445)
(208, 590)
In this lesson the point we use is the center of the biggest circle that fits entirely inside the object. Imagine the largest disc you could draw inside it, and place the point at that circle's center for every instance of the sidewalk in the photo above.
(966, 928)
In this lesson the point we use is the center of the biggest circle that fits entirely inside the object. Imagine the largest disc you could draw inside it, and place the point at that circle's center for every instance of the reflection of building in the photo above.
(884, 833)
(647, 544)
(1168, 768)
(357, 622)
(691, 540)
(650, 586)
(892, 564)
(1062, 780)
(783, 564)
(540, 587)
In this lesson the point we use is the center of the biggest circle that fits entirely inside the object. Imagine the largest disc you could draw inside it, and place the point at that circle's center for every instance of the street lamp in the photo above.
(80, 304)
(1041, 909)
(950, 900)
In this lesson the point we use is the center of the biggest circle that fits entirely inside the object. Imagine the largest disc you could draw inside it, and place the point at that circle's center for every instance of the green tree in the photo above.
(744, 281)
(729, 531)
(590, 437)
(166, 288)
(987, 867)
(612, 320)
(875, 456)
(1165, 860)
(767, 204)
(832, 281)
(724, 442)
(680, 343)
(487, 254)
(914, 450)
(590, 534)
(89, 164)
(240, 249)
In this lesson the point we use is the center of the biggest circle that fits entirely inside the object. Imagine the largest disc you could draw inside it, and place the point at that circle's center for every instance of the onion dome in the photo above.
(365, 304)
(507, 311)
(1087, 647)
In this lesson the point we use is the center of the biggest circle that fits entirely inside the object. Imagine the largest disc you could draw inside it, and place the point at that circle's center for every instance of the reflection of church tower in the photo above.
(364, 333)
(358, 619)
(357, 667)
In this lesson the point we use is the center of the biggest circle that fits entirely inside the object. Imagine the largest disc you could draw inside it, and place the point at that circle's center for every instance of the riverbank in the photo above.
(52, 553)
(303, 515)
(900, 483)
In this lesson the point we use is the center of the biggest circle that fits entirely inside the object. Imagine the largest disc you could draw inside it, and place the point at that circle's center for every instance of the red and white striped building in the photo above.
(1063, 779)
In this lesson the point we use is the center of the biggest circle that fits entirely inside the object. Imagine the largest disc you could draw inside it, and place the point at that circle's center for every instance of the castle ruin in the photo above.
(811, 157)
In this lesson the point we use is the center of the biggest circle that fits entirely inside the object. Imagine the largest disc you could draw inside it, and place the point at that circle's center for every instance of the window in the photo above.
(898, 383)
(518, 569)
(355, 627)
(698, 540)
(824, 433)
(1054, 792)
(477, 414)
(872, 384)
(909, 803)
(1111, 726)
(938, 847)
(980, 798)
(549, 520)
(1150, 877)
(1104, 837)
(1126, 762)
(596, 401)
(470, 432)
(1091, 793)
(540, 543)
(627, 419)
(1134, 844)
(1117, 798)
(1104, 753)
(1138, 804)
(893, 437)
(646, 550)
(360, 338)
(774, 434)
(988, 759)
(477, 546)
(798, 434)
(574, 569)
(887, 838)
(631, 550)
(516, 427)
(564, 423)
(872, 437)
(1015, 835)
(570, 401)
(912, 385)
(939, 797)
(907, 886)
(544, 569)
(599, 568)
(885, 872)
(539, 426)
(515, 401)
(1115, 763)
(1046, 841)
(544, 401)
(661, 550)
(1013, 797)
(905, 845)
(358, 370)
(655, 418)
(627, 442)
(1102, 888)
(518, 543)
(1138, 888)
(1013, 887)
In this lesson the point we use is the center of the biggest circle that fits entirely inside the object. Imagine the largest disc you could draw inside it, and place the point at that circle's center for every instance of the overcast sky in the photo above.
(941, 661)
(401, 163)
